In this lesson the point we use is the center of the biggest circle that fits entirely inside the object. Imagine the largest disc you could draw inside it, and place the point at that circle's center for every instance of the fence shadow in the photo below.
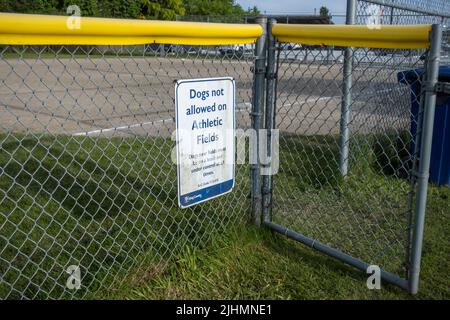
(104, 204)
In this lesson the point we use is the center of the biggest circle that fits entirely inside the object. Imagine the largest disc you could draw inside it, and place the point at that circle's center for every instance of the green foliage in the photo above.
(146, 9)
(162, 9)
(324, 12)
(213, 7)
(88, 8)
(119, 8)
(253, 11)
(29, 6)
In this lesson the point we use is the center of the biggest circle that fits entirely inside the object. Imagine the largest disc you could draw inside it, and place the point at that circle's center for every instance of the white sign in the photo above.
(205, 138)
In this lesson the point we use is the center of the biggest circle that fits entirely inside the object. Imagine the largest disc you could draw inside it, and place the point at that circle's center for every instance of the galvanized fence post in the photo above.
(269, 117)
(422, 173)
(256, 114)
(346, 96)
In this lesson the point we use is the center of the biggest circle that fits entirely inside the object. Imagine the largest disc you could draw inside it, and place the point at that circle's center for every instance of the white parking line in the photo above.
(309, 100)
(373, 92)
(99, 131)
(242, 106)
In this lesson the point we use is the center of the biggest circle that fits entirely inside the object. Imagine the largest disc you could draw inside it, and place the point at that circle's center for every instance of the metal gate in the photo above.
(353, 156)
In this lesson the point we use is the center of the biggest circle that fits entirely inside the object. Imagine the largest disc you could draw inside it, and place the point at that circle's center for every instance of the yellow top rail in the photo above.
(28, 29)
(395, 37)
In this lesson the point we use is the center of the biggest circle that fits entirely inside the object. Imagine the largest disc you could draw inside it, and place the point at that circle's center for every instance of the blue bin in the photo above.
(440, 148)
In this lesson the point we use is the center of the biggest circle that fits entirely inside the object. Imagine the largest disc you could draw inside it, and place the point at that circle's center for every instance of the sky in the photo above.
(336, 7)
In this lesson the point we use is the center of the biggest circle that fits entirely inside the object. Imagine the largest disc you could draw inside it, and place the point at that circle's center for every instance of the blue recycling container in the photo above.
(440, 148)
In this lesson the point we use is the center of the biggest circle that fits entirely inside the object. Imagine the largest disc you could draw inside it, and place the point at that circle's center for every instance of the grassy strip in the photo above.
(248, 263)
(103, 204)
(109, 205)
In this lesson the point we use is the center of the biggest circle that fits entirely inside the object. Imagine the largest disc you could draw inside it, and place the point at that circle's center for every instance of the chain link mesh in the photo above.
(403, 12)
(367, 213)
(85, 162)
(86, 176)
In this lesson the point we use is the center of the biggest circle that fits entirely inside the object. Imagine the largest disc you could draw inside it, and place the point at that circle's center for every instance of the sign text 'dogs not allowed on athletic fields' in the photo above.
(205, 123)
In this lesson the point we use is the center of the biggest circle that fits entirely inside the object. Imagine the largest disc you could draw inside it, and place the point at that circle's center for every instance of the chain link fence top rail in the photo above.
(367, 212)
(86, 176)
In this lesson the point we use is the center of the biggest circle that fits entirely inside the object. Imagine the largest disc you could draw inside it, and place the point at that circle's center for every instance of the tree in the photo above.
(146, 9)
(324, 12)
(119, 8)
(88, 8)
(216, 8)
(253, 11)
(29, 6)
(161, 9)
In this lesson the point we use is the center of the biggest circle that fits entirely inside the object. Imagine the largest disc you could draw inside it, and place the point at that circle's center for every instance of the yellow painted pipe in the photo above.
(28, 29)
(386, 36)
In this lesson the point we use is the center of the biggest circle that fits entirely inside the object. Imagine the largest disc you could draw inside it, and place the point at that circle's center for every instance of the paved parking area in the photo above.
(129, 96)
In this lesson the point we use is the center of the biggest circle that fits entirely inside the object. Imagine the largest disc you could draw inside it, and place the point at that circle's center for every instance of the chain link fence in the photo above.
(86, 172)
(406, 12)
(351, 121)
(403, 12)
(86, 141)
(350, 139)
(366, 213)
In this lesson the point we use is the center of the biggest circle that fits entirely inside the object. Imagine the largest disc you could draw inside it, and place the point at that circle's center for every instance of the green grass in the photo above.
(250, 263)
(103, 204)
(364, 215)
(109, 205)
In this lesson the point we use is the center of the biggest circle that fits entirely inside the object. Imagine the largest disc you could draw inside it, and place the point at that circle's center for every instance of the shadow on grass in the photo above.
(107, 204)
(102, 204)
(312, 161)
(364, 214)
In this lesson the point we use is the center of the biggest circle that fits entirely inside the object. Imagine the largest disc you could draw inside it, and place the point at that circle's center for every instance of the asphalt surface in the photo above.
(127, 96)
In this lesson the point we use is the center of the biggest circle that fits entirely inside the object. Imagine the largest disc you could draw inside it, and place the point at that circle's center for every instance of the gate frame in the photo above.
(410, 282)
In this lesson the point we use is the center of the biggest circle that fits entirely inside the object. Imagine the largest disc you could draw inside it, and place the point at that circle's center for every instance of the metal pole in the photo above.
(256, 114)
(425, 154)
(346, 95)
(391, 19)
(386, 276)
(413, 178)
(269, 116)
